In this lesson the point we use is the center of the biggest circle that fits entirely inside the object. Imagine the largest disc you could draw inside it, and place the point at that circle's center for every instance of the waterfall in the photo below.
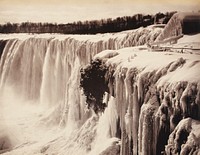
(106, 129)
(144, 100)
(23, 70)
(43, 71)
(43, 68)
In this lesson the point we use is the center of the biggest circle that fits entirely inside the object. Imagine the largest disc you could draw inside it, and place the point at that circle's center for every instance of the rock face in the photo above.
(5, 143)
(2, 45)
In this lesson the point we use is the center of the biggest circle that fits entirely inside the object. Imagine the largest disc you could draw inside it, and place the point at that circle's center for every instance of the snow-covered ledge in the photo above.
(153, 92)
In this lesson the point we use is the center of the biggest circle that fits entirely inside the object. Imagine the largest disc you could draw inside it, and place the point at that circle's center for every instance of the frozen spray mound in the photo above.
(181, 23)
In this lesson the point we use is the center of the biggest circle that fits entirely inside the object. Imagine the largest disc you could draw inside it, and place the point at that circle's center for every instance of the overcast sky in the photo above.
(64, 11)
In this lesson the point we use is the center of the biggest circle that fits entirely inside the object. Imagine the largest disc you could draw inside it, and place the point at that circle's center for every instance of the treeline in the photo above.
(89, 27)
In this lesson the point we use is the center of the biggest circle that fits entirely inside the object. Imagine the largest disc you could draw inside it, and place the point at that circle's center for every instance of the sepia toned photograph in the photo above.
(99, 77)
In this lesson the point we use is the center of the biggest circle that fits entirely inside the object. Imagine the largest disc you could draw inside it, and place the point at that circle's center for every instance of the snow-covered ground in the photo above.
(148, 61)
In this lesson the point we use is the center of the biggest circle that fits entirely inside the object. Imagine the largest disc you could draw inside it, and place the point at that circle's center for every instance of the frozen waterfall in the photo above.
(149, 94)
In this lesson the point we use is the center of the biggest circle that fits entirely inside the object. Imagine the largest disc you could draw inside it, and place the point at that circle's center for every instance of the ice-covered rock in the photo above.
(154, 91)
(185, 138)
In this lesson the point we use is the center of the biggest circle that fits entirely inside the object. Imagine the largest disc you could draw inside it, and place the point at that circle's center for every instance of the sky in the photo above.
(65, 11)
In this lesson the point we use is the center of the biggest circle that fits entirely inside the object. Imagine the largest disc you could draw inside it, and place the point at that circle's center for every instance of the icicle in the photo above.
(147, 130)
(136, 109)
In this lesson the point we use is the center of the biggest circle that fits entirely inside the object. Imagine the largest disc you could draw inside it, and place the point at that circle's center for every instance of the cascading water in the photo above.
(46, 72)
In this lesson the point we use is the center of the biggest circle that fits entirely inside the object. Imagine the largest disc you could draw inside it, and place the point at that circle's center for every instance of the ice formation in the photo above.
(153, 98)
(156, 89)
(185, 138)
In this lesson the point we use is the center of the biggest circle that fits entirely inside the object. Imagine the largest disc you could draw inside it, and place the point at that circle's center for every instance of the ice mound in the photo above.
(181, 23)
